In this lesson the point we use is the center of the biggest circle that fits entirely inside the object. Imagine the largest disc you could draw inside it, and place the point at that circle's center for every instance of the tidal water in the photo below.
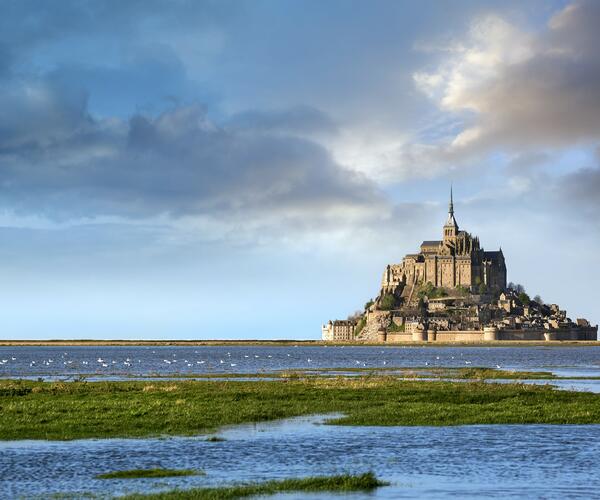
(500, 461)
(127, 362)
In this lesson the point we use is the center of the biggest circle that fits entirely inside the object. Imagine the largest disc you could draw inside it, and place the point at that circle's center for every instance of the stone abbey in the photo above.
(455, 260)
(454, 290)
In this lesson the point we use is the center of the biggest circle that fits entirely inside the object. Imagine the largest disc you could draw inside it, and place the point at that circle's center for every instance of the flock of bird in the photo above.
(182, 362)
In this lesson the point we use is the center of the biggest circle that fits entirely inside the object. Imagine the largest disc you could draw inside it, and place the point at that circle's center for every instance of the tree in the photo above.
(518, 288)
(387, 302)
(368, 304)
(524, 298)
(538, 299)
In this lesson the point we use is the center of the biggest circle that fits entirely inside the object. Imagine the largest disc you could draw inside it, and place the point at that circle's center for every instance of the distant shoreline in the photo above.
(275, 343)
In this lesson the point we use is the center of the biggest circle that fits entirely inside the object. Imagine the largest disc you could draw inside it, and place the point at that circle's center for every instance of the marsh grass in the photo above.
(139, 473)
(342, 483)
(493, 373)
(73, 410)
(476, 373)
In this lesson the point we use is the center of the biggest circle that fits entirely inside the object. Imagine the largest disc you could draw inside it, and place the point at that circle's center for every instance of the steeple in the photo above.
(451, 226)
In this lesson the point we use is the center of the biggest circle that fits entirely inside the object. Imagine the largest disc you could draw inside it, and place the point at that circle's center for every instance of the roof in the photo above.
(495, 254)
(431, 243)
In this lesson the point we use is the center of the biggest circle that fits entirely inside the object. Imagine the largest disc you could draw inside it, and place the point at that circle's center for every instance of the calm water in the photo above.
(535, 461)
(123, 362)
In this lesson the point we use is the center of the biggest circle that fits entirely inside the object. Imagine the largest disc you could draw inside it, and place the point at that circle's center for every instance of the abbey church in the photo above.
(455, 260)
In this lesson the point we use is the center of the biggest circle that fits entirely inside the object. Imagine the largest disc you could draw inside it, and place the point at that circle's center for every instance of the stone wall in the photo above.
(589, 333)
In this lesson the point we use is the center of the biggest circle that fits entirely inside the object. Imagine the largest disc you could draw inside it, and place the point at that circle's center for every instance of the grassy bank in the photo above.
(37, 410)
(138, 473)
(339, 484)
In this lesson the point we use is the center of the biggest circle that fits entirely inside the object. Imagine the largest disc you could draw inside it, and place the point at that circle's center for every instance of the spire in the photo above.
(451, 222)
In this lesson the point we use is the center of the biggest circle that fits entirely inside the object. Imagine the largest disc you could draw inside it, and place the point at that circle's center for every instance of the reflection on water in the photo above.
(121, 362)
(467, 461)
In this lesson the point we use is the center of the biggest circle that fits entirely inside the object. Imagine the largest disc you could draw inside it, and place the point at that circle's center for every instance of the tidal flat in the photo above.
(412, 415)
(75, 410)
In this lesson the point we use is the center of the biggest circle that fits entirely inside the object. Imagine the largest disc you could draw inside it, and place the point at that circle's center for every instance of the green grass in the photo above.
(492, 373)
(137, 473)
(472, 373)
(343, 483)
(59, 410)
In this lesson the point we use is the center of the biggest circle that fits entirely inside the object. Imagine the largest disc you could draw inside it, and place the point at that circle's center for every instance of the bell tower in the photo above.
(451, 226)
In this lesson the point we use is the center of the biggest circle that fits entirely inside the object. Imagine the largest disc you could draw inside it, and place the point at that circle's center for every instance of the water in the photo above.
(122, 362)
(538, 461)
(533, 461)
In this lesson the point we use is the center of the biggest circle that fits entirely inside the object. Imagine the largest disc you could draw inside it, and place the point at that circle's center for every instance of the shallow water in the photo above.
(123, 362)
(540, 461)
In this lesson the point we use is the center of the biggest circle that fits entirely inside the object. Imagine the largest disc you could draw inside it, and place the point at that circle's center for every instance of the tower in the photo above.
(451, 226)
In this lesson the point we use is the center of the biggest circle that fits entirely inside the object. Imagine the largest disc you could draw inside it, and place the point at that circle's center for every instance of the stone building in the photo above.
(338, 330)
(455, 260)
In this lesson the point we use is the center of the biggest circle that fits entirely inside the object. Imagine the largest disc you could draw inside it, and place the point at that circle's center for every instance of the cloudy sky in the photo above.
(246, 169)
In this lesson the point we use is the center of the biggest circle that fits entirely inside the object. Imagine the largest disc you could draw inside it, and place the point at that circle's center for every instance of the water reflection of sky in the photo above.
(545, 461)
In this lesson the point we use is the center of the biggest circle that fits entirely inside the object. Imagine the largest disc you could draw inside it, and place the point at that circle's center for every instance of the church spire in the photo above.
(451, 226)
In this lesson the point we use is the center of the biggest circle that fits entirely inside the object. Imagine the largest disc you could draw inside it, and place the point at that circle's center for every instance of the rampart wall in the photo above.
(589, 333)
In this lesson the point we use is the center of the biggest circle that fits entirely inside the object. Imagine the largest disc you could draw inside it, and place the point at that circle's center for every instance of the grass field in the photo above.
(339, 484)
(59, 410)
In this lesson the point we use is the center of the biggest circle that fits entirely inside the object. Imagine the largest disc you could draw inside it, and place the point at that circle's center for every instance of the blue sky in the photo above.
(246, 169)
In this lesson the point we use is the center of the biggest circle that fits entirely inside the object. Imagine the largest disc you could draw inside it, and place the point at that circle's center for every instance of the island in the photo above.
(453, 290)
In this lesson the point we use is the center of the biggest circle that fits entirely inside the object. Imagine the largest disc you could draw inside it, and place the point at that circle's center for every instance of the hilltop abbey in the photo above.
(454, 290)
(455, 260)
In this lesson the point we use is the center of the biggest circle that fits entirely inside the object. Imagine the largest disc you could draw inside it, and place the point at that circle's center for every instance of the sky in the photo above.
(246, 169)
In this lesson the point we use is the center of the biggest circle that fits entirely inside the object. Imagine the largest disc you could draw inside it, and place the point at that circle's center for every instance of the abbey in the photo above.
(455, 260)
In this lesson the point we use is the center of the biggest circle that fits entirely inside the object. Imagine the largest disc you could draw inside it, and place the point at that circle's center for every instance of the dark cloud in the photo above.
(58, 161)
(36, 112)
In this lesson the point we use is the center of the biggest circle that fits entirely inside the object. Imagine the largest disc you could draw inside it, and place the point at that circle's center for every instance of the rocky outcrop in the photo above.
(375, 321)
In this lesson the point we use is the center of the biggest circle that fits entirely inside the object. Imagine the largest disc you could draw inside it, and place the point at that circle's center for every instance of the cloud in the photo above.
(303, 120)
(59, 161)
(522, 90)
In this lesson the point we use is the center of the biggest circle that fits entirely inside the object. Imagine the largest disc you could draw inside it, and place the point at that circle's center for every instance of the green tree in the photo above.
(524, 298)
(368, 304)
(387, 302)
